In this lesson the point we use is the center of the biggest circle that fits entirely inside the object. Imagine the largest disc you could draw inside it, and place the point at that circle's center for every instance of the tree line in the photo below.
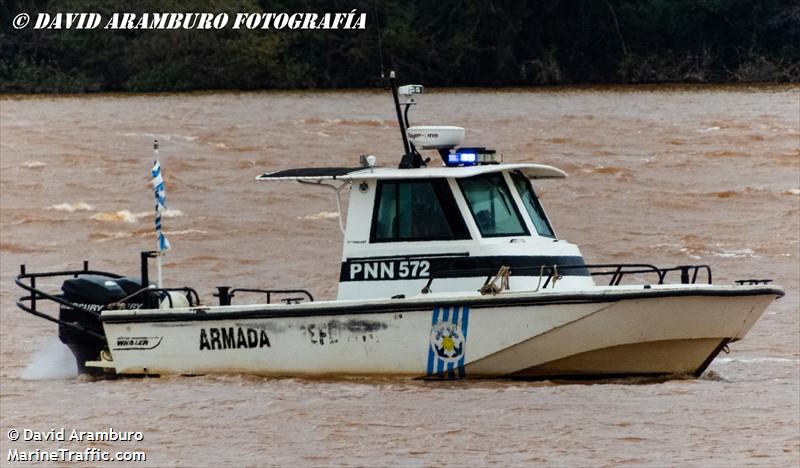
(439, 43)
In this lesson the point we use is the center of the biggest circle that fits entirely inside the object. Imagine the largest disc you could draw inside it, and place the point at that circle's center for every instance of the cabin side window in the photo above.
(532, 205)
(416, 210)
(491, 205)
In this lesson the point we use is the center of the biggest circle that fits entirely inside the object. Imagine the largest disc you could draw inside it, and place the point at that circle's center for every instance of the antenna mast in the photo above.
(400, 120)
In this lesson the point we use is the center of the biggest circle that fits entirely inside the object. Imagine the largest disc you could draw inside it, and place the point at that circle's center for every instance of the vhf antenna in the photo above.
(380, 36)
(410, 157)
(400, 120)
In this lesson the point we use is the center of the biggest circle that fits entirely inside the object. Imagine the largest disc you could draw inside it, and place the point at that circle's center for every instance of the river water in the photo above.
(664, 175)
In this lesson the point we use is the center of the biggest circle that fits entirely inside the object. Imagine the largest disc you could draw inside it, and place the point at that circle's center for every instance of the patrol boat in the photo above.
(449, 270)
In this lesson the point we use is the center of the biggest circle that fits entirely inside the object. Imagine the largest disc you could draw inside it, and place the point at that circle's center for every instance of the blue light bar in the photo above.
(465, 158)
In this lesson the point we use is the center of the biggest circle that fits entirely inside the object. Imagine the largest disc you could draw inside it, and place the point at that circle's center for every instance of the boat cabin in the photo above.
(444, 229)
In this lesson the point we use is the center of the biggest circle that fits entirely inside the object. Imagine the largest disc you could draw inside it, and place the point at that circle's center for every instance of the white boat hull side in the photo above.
(654, 358)
(670, 335)
(485, 338)
(358, 344)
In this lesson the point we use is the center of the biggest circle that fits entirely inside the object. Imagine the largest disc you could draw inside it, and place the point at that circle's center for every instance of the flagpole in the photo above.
(162, 244)
(159, 280)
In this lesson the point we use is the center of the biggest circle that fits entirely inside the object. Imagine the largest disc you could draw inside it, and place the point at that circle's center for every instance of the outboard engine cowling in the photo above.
(92, 293)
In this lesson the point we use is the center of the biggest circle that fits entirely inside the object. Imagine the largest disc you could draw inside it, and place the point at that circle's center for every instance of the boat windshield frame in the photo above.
(503, 189)
(538, 215)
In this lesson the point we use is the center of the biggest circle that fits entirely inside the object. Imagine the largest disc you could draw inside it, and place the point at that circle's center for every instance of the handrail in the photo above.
(684, 269)
(689, 273)
(86, 271)
(225, 293)
(752, 281)
(28, 303)
(37, 293)
(79, 328)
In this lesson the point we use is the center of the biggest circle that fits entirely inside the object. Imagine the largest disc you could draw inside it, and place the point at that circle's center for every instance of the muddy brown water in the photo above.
(664, 175)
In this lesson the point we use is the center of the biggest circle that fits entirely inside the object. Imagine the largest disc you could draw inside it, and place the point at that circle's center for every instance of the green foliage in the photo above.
(444, 43)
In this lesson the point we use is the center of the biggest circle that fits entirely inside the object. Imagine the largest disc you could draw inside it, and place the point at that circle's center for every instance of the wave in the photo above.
(718, 124)
(755, 360)
(117, 216)
(185, 231)
(162, 137)
(27, 218)
(16, 248)
(108, 236)
(610, 170)
(105, 236)
(734, 253)
(320, 215)
(72, 207)
(254, 164)
(126, 216)
(747, 190)
(33, 164)
(695, 247)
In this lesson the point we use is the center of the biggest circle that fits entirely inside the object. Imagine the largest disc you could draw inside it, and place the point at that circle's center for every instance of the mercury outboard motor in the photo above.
(92, 293)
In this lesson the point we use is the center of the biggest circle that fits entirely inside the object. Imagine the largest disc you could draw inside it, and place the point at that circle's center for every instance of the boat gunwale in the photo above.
(338, 308)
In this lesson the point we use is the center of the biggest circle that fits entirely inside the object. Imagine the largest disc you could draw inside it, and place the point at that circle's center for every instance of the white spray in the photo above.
(54, 361)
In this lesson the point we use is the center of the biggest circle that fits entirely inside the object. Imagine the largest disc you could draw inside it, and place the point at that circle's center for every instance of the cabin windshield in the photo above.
(491, 205)
(532, 205)
(416, 210)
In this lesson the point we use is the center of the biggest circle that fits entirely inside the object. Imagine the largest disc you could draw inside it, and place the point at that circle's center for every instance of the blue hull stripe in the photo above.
(431, 356)
(464, 327)
(440, 362)
(450, 373)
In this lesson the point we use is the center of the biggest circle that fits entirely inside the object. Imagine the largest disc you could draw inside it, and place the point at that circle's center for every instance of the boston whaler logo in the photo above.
(233, 338)
(138, 342)
(448, 340)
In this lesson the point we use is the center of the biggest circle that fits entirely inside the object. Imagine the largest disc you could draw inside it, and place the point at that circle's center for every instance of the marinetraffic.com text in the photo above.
(160, 21)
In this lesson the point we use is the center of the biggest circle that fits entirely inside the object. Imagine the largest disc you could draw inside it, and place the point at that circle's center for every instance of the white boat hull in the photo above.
(663, 330)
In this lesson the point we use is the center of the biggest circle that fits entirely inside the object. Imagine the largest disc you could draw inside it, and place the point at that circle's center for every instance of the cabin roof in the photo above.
(532, 171)
(309, 173)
